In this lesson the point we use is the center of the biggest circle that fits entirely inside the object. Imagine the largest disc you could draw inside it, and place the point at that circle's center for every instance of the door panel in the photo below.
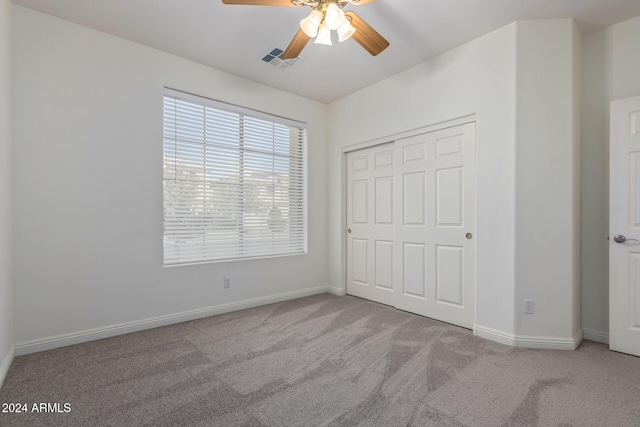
(449, 274)
(449, 145)
(634, 200)
(359, 256)
(413, 199)
(449, 197)
(370, 218)
(384, 264)
(413, 209)
(413, 152)
(448, 167)
(359, 201)
(634, 291)
(414, 270)
(624, 256)
(384, 159)
(384, 200)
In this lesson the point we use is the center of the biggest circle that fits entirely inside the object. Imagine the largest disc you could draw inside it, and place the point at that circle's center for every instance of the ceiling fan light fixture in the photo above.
(334, 17)
(324, 35)
(311, 23)
(325, 16)
(345, 31)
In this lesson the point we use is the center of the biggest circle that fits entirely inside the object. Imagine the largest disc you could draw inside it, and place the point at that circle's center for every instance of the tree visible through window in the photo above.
(233, 182)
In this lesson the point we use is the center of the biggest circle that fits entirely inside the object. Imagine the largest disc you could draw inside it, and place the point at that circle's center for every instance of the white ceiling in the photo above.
(234, 38)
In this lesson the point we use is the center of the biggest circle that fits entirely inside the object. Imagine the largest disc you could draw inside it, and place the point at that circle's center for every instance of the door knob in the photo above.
(349, 230)
(621, 239)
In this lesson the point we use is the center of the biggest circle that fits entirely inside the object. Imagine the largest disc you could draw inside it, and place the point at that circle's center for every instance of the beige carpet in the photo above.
(322, 360)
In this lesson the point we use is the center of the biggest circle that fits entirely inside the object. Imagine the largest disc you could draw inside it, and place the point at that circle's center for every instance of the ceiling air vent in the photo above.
(273, 58)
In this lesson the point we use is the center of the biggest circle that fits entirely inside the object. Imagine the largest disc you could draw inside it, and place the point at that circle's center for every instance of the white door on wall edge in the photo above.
(624, 227)
(371, 222)
(411, 224)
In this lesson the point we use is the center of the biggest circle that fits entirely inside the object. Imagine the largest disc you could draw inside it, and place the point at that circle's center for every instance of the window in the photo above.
(234, 182)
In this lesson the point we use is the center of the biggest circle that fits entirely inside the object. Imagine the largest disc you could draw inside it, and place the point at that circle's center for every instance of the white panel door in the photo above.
(436, 177)
(411, 224)
(624, 254)
(370, 220)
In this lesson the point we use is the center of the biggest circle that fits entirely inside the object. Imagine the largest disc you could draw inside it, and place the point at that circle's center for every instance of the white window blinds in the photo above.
(233, 182)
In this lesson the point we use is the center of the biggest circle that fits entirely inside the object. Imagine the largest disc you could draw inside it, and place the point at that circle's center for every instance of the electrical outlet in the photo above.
(227, 282)
(528, 306)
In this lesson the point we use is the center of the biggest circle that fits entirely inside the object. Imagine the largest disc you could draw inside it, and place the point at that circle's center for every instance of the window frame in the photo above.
(256, 114)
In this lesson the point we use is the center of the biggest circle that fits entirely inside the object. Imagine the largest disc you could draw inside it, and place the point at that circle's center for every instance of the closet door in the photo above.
(411, 224)
(435, 267)
(371, 223)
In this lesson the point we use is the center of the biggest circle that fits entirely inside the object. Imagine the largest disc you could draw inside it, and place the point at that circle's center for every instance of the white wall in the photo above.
(6, 298)
(476, 78)
(611, 71)
(88, 184)
(547, 211)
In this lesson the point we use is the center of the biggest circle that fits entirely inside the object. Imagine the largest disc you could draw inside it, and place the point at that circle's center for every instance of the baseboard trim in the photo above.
(336, 291)
(6, 364)
(528, 341)
(494, 335)
(33, 346)
(597, 336)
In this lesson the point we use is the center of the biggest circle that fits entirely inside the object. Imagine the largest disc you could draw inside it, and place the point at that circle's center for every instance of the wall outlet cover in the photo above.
(528, 306)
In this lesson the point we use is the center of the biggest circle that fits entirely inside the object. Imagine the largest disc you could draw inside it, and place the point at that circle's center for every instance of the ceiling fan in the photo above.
(326, 15)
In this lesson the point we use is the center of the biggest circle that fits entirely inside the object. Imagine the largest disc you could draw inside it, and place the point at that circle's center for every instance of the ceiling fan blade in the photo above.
(262, 2)
(366, 36)
(361, 2)
(298, 43)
